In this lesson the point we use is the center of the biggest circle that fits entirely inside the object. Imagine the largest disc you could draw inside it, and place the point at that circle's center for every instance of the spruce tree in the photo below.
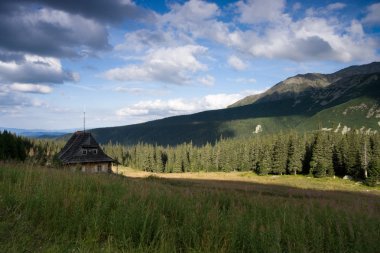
(263, 166)
(295, 156)
(279, 156)
(374, 164)
(321, 159)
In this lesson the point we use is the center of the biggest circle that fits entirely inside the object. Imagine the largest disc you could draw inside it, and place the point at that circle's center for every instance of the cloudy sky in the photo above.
(129, 61)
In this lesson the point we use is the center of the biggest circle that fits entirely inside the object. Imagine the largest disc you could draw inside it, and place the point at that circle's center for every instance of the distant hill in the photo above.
(36, 133)
(346, 99)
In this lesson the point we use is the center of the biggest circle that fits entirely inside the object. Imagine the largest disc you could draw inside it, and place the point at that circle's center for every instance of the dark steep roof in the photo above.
(72, 151)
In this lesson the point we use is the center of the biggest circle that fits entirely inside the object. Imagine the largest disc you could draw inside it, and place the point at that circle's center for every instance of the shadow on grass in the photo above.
(346, 199)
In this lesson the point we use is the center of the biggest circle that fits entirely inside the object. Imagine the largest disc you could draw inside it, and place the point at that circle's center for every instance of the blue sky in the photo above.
(127, 62)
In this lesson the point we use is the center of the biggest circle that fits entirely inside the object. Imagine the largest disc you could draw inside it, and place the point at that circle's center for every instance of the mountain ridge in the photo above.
(318, 103)
(303, 83)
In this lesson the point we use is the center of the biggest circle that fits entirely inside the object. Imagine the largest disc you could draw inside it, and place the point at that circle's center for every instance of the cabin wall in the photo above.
(103, 167)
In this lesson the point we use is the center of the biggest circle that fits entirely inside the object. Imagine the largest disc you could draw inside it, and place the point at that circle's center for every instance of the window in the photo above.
(95, 151)
(99, 168)
(84, 152)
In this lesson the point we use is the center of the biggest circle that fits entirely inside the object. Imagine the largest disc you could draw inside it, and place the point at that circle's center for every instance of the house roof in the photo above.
(72, 151)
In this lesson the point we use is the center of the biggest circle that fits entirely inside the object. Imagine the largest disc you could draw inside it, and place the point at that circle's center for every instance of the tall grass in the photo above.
(57, 211)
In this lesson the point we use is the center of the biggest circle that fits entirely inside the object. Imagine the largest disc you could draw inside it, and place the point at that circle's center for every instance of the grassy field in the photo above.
(47, 210)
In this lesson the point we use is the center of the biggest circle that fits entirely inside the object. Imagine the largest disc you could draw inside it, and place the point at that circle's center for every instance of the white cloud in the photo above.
(193, 11)
(236, 63)
(143, 39)
(171, 48)
(30, 88)
(150, 109)
(309, 39)
(207, 80)
(35, 69)
(273, 33)
(258, 11)
(220, 101)
(193, 20)
(373, 14)
(167, 65)
(336, 6)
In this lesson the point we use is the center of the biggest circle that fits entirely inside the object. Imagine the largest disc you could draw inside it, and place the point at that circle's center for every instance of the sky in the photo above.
(130, 61)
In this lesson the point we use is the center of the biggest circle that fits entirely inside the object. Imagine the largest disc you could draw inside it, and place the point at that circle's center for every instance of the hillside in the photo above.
(348, 98)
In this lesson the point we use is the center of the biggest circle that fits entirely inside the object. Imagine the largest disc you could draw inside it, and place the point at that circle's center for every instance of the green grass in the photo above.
(309, 182)
(44, 210)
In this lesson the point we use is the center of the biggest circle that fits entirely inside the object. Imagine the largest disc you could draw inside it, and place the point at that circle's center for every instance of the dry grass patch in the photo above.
(299, 181)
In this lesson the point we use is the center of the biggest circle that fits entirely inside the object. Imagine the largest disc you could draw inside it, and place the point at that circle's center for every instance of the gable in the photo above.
(82, 148)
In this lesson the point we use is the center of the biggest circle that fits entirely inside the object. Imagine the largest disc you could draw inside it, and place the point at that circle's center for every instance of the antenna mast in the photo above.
(84, 120)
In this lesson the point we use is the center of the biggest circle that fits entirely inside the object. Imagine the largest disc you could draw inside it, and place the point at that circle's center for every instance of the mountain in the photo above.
(301, 85)
(37, 133)
(346, 99)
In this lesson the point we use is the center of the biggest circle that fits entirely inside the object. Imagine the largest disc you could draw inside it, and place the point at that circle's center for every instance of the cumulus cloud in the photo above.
(236, 63)
(178, 106)
(153, 109)
(64, 28)
(31, 88)
(166, 65)
(35, 69)
(195, 19)
(310, 39)
(145, 39)
(373, 14)
(271, 32)
(112, 11)
(50, 32)
(258, 11)
(193, 10)
(268, 32)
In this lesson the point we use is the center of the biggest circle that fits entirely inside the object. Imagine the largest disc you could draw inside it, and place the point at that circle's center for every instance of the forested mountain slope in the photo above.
(347, 99)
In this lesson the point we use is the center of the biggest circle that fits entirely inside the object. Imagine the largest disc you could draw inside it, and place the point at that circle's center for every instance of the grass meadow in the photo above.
(48, 210)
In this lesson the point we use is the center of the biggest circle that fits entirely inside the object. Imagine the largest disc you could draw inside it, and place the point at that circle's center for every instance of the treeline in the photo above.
(13, 147)
(319, 154)
(36, 151)
(45, 151)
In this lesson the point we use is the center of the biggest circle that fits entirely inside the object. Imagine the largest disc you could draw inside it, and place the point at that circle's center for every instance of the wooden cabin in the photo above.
(83, 153)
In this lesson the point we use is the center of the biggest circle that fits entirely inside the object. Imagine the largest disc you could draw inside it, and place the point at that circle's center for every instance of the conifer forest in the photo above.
(319, 154)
